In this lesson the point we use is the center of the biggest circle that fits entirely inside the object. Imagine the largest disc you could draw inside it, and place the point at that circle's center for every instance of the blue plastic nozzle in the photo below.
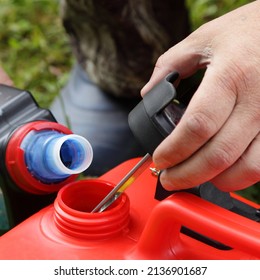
(52, 156)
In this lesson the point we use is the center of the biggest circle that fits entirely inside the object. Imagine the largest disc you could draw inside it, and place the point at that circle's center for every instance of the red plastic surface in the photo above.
(15, 162)
(143, 229)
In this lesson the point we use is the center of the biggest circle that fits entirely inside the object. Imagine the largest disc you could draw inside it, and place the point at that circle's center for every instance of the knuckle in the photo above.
(201, 126)
(240, 81)
(221, 157)
(160, 62)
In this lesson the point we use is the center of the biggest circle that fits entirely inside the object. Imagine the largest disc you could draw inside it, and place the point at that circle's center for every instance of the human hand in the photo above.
(218, 137)
(4, 78)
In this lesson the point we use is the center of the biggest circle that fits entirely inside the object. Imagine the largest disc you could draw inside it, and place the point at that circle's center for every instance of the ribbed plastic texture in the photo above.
(73, 206)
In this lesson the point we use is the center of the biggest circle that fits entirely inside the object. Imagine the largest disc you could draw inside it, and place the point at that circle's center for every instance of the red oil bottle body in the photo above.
(136, 226)
(38, 156)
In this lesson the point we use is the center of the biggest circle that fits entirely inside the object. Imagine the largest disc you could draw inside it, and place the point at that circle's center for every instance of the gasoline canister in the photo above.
(135, 226)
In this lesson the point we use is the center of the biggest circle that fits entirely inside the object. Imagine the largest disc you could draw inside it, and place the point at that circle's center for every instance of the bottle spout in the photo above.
(70, 154)
(52, 156)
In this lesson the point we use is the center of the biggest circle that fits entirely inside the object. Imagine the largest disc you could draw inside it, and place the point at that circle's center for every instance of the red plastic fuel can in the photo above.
(136, 226)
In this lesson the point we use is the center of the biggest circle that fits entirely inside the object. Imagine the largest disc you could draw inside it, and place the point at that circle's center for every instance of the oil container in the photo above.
(38, 156)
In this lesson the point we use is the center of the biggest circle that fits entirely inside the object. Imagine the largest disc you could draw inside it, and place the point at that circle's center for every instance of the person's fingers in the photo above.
(214, 138)
(4, 78)
(221, 152)
(182, 58)
(245, 172)
(208, 110)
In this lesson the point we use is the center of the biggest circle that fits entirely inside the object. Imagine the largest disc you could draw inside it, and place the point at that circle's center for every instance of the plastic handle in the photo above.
(183, 209)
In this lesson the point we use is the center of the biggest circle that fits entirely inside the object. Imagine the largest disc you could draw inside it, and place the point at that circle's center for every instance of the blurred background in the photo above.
(35, 51)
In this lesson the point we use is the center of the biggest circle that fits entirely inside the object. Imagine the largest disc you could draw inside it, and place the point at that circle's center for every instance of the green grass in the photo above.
(202, 11)
(35, 52)
(34, 49)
